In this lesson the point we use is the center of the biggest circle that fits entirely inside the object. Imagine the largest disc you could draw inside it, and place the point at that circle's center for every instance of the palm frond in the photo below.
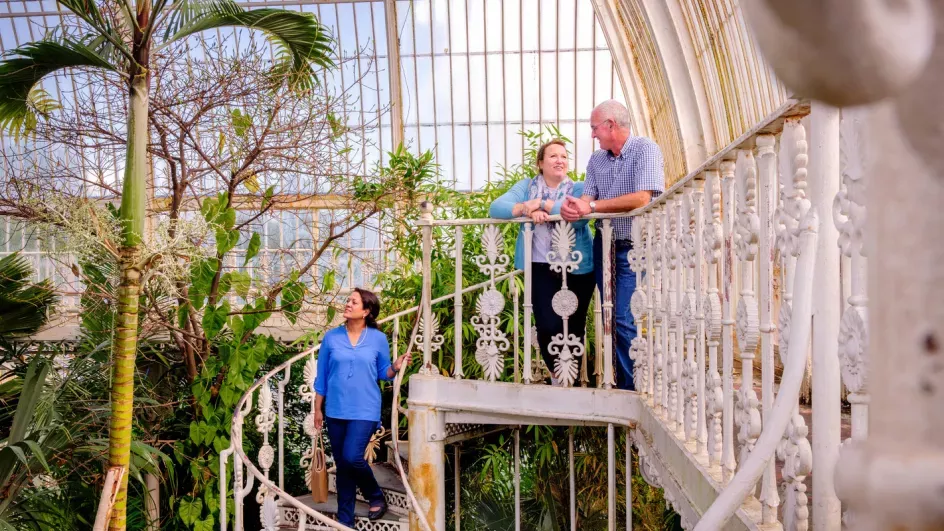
(23, 304)
(23, 68)
(305, 42)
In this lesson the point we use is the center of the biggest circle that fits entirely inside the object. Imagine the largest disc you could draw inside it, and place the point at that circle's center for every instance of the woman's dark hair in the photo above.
(371, 303)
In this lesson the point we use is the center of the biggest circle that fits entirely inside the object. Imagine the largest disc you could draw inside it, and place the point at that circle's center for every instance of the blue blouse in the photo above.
(348, 375)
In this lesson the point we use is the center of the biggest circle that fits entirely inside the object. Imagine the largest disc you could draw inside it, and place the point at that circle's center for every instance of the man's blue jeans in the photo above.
(349, 440)
(624, 284)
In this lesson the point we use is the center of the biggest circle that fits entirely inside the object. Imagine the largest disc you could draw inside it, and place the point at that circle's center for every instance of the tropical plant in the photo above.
(24, 305)
(120, 38)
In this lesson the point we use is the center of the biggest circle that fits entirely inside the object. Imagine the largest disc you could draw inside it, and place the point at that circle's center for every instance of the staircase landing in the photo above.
(502, 403)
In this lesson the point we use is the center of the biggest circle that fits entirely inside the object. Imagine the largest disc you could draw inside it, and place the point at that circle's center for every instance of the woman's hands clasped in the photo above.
(539, 216)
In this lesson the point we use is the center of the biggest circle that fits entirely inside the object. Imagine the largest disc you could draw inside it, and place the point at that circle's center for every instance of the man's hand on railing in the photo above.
(574, 208)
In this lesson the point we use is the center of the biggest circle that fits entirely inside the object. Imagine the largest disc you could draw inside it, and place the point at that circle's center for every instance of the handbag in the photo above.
(319, 473)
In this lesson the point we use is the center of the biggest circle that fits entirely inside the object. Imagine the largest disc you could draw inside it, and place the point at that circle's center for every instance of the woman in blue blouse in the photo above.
(539, 198)
(352, 359)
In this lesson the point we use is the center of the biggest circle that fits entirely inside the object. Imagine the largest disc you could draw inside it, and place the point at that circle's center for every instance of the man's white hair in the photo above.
(613, 110)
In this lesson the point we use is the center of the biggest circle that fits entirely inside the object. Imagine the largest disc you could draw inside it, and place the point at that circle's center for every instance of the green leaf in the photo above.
(190, 510)
(267, 196)
(215, 318)
(253, 249)
(292, 295)
(237, 326)
(226, 240)
(240, 283)
(227, 218)
(196, 432)
(327, 284)
(241, 122)
(220, 442)
(224, 285)
(22, 69)
(204, 525)
(229, 395)
(332, 312)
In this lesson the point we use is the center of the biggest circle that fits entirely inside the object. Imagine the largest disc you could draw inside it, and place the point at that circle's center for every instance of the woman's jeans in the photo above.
(349, 440)
(546, 283)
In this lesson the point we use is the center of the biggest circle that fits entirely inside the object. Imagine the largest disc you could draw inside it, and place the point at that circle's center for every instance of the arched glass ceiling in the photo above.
(473, 74)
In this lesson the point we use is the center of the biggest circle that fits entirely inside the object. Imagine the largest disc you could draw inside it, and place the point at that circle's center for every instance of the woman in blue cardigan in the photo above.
(353, 357)
(539, 198)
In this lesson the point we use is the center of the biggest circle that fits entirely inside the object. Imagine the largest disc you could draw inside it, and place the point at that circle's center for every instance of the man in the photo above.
(623, 175)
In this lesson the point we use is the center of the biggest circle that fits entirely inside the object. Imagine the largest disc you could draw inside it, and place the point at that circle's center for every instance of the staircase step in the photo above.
(386, 474)
(389, 480)
(390, 521)
(404, 453)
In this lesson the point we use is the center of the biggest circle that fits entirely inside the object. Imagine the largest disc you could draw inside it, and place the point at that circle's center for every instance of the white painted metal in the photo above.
(728, 462)
(457, 302)
(427, 228)
(427, 464)
(746, 234)
(611, 477)
(767, 177)
(752, 468)
(701, 402)
(608, 376)
(714, 240)
(849, 214)
(565, 347)
(515, 304)
(528, 237)
(824, 185)
(795, 450)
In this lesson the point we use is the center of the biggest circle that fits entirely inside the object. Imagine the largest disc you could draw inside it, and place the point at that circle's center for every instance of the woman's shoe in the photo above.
(377, 512)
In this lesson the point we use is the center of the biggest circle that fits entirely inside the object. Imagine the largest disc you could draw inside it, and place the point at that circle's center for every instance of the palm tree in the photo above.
(23, 305)
(123, 45)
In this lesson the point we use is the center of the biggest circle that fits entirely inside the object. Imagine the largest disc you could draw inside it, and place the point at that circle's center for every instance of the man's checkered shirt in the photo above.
(639, 166)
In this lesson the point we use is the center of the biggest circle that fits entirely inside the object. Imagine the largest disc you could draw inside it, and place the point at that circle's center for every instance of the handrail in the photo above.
(245, 400)
(752, 468)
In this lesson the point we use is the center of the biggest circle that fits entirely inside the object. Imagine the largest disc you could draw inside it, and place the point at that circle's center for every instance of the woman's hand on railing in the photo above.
(526, 207)
(402, 360)
(540, 216)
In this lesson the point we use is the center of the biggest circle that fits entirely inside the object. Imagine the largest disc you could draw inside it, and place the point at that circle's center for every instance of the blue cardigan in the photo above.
(501, 209)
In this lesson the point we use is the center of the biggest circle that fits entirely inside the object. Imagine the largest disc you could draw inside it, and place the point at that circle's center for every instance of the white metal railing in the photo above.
(733, 261)
(733, 277)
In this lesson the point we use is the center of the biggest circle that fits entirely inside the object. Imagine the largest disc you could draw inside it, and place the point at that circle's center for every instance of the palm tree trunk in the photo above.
(132, 215)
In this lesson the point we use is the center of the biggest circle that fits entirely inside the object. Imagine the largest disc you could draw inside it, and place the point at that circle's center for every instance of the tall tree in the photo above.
(120, 38)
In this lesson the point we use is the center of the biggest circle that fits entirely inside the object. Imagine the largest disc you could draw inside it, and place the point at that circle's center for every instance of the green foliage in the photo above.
(23, 304)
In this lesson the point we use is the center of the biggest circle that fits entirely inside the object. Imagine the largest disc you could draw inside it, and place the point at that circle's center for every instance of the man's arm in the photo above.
(623, 203)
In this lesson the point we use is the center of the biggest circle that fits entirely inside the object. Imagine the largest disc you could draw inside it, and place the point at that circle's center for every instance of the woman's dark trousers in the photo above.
(349, 440)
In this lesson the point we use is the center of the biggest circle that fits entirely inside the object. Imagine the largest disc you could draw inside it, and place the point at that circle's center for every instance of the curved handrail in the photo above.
(752, 468)
(243, 407)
